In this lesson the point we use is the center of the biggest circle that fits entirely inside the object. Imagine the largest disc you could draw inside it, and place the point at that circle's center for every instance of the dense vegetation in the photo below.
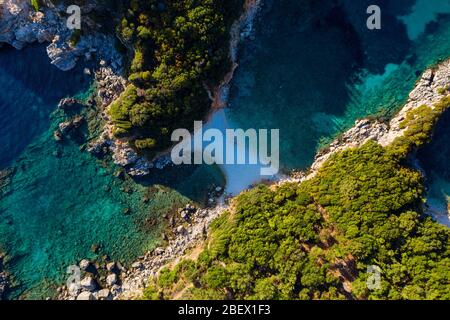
(316, 240)
(180, 48)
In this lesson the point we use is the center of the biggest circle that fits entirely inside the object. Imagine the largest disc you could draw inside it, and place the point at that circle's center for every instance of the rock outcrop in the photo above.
(4, 279)
(193, 231)
(426, 92)
(20, 26)
(109, 87)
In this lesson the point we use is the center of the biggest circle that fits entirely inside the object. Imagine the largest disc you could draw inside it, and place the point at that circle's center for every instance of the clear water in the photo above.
(62, 201)
(311, 70)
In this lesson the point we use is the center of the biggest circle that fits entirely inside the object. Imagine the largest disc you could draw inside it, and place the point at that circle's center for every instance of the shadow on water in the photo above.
(434, 159)
(30, 90)
(435, 156)
(192, 181)
(298, 72)
(37, 75)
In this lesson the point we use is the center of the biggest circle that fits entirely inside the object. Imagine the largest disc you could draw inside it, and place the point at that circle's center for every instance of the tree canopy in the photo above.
(180, 48)
(317, 239)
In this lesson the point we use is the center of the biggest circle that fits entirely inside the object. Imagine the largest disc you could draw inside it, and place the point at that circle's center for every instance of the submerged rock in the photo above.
(4, 279)
(68, 103)
(5, 180)
(67, 126)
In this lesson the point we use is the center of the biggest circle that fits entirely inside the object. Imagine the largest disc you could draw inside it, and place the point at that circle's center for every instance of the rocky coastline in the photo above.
(191, 228)
(109, 86)
(191, 235)
(187, 229)
(427, 91)
(125, 156)
(4, 278)
(241, 30)
(110, 280)
(21, 25)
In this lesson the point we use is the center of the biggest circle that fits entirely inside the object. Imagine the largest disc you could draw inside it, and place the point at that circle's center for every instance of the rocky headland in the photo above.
(189, 233)
(125, 156)
(428, 91)
(21, 25)
(189, 228)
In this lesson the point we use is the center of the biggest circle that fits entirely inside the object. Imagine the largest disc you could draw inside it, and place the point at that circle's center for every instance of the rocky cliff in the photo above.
(21, 25)
(427, 91)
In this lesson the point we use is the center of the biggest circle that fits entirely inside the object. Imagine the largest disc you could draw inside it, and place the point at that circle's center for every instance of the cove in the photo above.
(59, 204)
(312, 68)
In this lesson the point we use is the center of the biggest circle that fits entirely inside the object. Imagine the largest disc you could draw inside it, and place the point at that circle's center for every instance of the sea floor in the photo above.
(310, 69)
(59, 204)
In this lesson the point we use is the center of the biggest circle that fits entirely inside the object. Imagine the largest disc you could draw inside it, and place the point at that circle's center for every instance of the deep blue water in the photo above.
(30, 89)
(311, 69)
(60, 200)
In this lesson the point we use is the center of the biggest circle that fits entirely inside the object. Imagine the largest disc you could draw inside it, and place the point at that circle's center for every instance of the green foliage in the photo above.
(75, 37)
(167, 277)
(151, 293)
(303, 241)
(180, 48)
(419, 124)
(316, 240)
(145, 143)
(443, 90)
(215, 277)
(35, 4)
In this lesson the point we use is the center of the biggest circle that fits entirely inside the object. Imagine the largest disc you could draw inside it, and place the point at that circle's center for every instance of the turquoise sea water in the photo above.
(311, 69)
(314, 68)
(61, 201)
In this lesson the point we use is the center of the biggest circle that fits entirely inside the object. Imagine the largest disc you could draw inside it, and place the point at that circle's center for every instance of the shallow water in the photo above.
(61, 201)
(312, 68)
